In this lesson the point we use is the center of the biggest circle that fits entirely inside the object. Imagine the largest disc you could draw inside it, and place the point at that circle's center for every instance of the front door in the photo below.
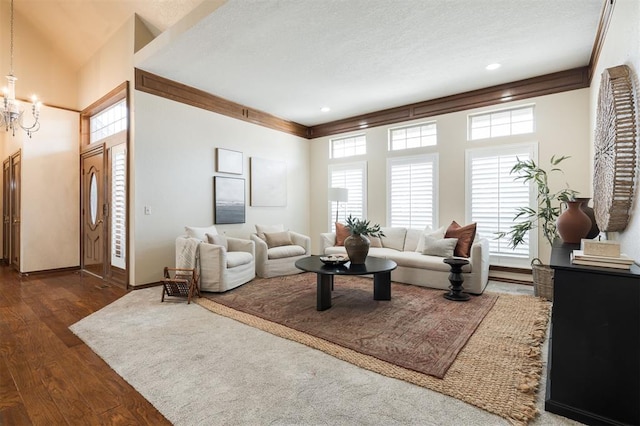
(93, 213)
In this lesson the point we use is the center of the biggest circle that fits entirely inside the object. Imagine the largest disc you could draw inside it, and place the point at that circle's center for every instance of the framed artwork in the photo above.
(228, 161)
(229, 200)
(268, 182)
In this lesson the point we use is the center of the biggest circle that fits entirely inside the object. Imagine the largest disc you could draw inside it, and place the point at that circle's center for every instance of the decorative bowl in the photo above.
(334, 259)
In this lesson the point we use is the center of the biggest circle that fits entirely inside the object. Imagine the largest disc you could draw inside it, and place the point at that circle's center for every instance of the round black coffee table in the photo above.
(379, 268)
(456, 279)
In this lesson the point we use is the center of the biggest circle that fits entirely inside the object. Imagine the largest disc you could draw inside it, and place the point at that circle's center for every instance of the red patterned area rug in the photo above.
(417, 329)
(485, 352)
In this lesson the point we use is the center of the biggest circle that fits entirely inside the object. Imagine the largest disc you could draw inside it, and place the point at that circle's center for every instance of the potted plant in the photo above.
(544, 215)
(357, 244)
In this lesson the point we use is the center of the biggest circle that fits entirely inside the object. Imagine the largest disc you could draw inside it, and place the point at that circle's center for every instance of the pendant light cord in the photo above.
(11, 45)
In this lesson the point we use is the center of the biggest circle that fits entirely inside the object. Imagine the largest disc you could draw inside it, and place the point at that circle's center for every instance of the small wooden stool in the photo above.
(183, 283)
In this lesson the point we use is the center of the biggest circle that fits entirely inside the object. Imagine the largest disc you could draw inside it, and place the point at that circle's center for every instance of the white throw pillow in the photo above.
(268, 229)
(437, 234)
(442, 247)
(200, 232)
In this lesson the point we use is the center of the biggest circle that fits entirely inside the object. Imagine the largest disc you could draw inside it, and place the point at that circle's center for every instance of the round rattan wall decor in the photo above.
(615, 155)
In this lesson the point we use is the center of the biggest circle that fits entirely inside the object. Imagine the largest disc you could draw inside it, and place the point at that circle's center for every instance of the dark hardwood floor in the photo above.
(48, 376)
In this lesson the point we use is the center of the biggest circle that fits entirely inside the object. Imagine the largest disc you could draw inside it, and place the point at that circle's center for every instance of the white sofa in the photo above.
(400, 245)
(280, 260)
(220, 268)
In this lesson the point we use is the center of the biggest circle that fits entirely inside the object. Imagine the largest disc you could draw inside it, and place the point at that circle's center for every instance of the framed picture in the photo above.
(268, 182)
(229, 200)
(228, 161)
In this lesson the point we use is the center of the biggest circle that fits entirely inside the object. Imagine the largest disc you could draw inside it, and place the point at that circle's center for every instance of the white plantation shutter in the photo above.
(352, 176)
(412, 187)
(118, 206)
(494, 195)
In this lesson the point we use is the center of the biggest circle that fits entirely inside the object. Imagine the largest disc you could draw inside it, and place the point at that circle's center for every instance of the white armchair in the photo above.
(277, 250)
(224, 262)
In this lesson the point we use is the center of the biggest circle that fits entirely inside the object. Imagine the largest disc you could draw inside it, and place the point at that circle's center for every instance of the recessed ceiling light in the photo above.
(491, 67)
(325, 109)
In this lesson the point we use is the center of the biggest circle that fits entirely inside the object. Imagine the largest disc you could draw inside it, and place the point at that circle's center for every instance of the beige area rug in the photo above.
(498, 370)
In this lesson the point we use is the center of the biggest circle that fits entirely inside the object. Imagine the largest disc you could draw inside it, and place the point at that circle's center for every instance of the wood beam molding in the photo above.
(160, 86)
(562, 81)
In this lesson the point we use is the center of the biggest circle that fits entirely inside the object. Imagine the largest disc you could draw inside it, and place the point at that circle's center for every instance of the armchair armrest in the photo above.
(261, 249)
(327, 239)
(303, 241)
(213, 262)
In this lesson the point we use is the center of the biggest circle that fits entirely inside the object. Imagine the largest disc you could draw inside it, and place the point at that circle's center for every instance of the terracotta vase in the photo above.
(357, 247)
(573, 224)
(594, 231)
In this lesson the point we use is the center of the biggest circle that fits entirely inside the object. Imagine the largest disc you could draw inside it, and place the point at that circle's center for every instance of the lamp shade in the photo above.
(339, 194)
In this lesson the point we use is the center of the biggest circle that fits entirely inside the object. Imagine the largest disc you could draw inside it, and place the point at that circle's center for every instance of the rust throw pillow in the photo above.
(341, 233)
(465, 235)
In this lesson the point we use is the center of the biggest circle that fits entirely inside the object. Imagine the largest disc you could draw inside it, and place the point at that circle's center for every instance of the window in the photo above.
(412, 191)
(353, 177)
(413, 136)
(108, 122)
(493, 196)
(501, 123)
(349, 146)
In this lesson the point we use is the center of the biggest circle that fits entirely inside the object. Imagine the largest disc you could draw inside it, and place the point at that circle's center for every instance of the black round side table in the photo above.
(455, 278)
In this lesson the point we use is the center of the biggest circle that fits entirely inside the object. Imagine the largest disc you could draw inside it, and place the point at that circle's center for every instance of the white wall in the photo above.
(174, 168)
(50, 234)
(562, 129)
(622, 47)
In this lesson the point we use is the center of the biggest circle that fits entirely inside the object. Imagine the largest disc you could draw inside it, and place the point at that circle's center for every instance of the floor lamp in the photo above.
(338, 195)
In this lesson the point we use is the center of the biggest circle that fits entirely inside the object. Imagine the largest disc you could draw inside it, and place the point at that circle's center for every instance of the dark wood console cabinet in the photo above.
(594, 347)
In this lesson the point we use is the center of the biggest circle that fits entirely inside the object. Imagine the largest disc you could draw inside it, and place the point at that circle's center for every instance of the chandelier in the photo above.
(12, 113)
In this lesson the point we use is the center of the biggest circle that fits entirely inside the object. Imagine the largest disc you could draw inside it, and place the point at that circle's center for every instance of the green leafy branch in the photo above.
(547, 211)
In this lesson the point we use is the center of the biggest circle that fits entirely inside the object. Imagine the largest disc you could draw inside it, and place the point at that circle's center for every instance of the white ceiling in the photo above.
(290, 58)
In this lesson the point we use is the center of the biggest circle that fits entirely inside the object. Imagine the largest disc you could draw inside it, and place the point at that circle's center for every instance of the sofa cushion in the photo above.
(341, 233)
(438, 234)
(394, 238)
(335, 250)
(442, 247)
(411, 259)
(262, 229)
(238, 258)
(200, 232)
(375, 241)
(277, 239)
(281, 252)
(219, 240)
(465, 235)
(383, 252)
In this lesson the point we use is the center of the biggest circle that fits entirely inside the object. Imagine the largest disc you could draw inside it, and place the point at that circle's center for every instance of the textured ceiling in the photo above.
(290, 58)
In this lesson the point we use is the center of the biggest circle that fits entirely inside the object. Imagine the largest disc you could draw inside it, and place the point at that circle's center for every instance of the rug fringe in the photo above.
(525, 408)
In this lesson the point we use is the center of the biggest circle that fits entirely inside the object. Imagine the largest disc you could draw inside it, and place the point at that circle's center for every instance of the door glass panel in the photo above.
(93, 198)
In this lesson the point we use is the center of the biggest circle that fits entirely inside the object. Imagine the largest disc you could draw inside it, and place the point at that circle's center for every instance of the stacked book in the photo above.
(621, 261)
